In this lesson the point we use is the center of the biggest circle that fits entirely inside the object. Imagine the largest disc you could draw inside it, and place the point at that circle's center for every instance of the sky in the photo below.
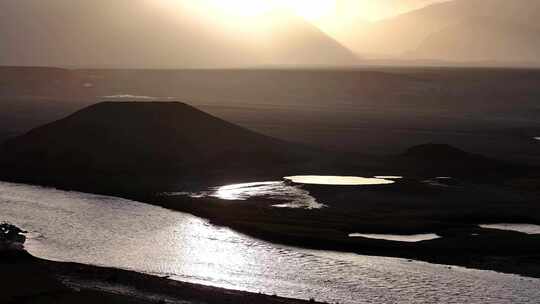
(335, 17)
(259, 25)
(347, 14)
(331, 16)
(313, 10)
(372, 10)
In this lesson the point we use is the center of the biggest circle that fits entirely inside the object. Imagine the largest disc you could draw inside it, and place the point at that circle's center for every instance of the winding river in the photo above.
(113, 232)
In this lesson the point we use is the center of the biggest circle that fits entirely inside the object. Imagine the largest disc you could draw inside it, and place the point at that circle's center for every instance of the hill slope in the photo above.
(445, 160)
(143, 34)
(145, 141)
(482, 39)
(471, 20)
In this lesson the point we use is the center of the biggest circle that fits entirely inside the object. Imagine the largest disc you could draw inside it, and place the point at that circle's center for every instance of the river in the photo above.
(114, 232)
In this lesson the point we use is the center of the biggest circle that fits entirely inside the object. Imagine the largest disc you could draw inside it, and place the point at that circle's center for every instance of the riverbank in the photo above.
(27, 279)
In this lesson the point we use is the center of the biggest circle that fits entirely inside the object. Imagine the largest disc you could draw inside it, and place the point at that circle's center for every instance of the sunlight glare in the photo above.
(244, 8)
(311, 10)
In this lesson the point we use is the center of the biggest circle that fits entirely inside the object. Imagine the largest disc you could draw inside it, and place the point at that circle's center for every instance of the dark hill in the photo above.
(110, 142)
(438, 152)
(445, 160)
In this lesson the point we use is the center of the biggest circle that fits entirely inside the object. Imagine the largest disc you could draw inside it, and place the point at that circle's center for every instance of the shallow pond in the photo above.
(389, 177)
(337, 180)
(523, 228)
(412, 238)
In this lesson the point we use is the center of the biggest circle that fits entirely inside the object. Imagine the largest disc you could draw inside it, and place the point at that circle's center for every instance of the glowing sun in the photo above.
(245, 8)
(312, 10)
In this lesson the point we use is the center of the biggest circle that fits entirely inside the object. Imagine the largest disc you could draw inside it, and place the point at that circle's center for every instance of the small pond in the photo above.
(399, 238)
(337, 180)
(523, 228)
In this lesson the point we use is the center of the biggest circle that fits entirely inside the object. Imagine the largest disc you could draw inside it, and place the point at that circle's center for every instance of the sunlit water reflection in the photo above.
(287, 193)
(400, 238)
(523, 228)
(113, 232)
(292, 197)
(338, 180)
(285, 196)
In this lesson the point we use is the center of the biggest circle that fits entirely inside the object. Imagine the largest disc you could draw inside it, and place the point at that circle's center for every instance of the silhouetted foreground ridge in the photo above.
(114, 142)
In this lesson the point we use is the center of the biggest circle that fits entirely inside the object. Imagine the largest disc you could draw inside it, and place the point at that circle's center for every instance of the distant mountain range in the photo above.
(137, 34)
(457, 31)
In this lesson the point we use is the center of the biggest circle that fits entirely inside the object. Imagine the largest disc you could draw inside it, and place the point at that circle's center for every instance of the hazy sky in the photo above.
(332, 16)
(351, 14)
(314, 10)
(371, 10)
(335, 17)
